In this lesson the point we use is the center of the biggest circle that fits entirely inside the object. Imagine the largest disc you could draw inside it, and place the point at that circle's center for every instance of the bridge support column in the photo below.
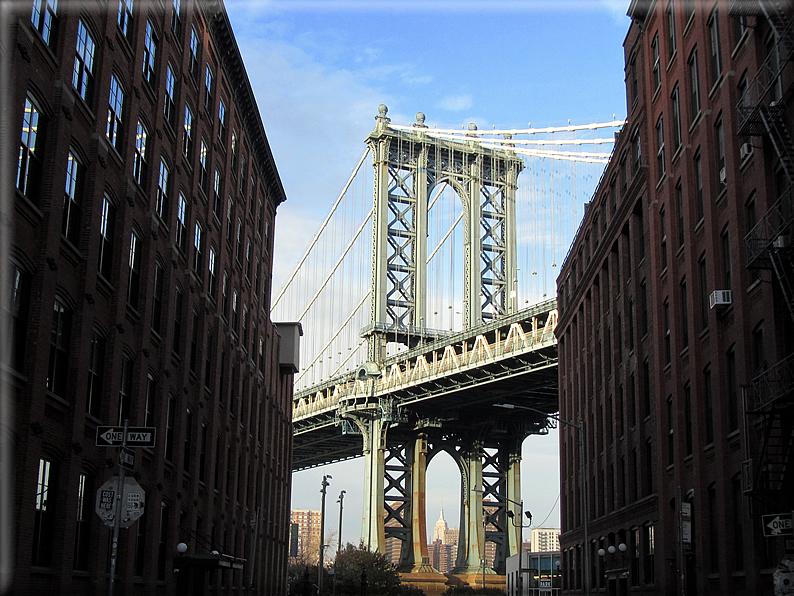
(418, 507)
(514, 527)
(471, 545)
(372, 527)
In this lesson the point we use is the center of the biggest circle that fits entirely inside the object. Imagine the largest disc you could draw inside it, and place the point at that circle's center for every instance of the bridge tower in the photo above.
(409, 166)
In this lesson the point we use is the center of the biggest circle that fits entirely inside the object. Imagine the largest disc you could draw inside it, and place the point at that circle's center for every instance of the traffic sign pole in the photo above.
(117, 522)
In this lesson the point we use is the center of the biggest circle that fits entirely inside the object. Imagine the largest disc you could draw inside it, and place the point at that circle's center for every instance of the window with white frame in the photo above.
(83, 73)
(660, 146)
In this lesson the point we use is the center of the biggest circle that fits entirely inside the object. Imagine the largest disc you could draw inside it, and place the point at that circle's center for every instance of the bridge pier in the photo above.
(373, 432)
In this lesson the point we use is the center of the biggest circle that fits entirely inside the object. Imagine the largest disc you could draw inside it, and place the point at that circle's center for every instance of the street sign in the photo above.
(778, 524)
(545, 583)
(137, 436)
(686, 524)
(127, 458)
(133, 502)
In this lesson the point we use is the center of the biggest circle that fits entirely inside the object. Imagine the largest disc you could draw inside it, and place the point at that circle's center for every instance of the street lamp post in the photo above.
(339, 545)
(581, 428)
(325, 485)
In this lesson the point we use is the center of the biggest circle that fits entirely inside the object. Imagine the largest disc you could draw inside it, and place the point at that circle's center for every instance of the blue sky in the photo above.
(319, 70)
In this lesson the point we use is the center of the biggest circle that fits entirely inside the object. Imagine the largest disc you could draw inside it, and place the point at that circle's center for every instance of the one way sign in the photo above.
(778, 524)
(137, 436)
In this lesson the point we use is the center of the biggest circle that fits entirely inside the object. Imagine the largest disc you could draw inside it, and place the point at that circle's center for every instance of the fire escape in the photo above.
(768, 472)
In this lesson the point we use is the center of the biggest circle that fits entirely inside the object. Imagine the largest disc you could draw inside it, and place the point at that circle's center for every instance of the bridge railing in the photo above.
(521, 332)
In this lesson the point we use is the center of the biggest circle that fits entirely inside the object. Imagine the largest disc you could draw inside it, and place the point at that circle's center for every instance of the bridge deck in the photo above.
(452, 382)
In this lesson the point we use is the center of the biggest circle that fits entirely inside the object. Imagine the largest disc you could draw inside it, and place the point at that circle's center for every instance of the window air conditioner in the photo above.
(745, 150)
(723, 177)
(781, 241)
(720, 298)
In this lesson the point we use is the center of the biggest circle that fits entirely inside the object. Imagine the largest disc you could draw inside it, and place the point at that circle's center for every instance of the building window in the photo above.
(72, 200)
(699, 187)
(44, 521)
(759, 353)
(235, 313)
(162, 191)
(169, 429)
(643, 308)
(115, 111)
(694, 83)
(44, 19)
(187, 137)
(648, 468)
(671, 44)
(239, 243)
(689, 10)
(751, 215)
(649, 548)
(646, 387)
(162, 545)
(181, 223)
(198, 250)
(194, 48)
(96, 375)
(140, 545)
(714, 549)
(714, 46)
(134, 263)
(719, 134)
(636, 151)
(656, 67)
(222, 120)
(169, 105)
(234, 153)
(149, 53)
(684, 314)
(670, 435)
(624, 177)
(732, 383)
(213, 281)
(216, 199)
(29, 164)
(176, 344)
(663, 234)
(203, 453)
(188, 440)
(688, 417)
(709, 403)
(739, 27)
(106, 235)
(203, 172)
(151, 397)
(633, 74)
(738, 523)
(248, 259)
(139, 161)
(660, 146)
(157, 302)
(679, 208)
(83, 74)
(58, 369)
(704, 292)
(667, 339)
(125, 18)
(18, 317)
(225, 292)
(82, 526)
(726, 259)
(125, 390)
(208, 88)
(676, 105)
(194, 343)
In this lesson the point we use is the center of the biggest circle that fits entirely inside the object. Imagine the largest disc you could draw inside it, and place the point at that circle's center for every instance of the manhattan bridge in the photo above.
(425, 307)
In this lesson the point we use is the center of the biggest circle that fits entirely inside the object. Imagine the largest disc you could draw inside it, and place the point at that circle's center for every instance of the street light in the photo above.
(339, 546)
(581, 428)
(323, 488)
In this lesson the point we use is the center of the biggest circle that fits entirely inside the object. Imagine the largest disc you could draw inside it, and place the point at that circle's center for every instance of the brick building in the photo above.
(675, 329)
(308, 547)
(140, 267)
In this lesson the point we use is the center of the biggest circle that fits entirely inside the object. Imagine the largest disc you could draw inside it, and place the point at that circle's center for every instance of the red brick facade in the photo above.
(654, 370)
(117, 311)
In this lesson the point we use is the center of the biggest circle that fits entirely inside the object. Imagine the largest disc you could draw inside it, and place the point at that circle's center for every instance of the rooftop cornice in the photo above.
(220, 29)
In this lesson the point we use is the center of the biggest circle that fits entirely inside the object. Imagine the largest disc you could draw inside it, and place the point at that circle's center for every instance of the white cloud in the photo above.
(456, 103)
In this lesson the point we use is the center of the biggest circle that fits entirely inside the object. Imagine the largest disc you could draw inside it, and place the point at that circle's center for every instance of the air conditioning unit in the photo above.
(781, 241)
(745, 150)
(723, 178)
(720, 298)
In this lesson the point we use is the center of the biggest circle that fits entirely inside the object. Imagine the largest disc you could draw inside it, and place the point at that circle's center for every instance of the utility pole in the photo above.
(325, 485)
